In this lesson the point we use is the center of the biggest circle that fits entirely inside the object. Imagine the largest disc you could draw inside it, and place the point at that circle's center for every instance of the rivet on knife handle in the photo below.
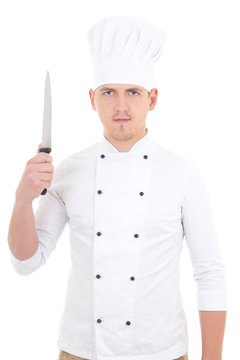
(46, 150)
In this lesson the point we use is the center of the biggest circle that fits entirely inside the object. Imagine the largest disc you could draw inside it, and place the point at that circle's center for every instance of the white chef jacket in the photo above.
(128, 213)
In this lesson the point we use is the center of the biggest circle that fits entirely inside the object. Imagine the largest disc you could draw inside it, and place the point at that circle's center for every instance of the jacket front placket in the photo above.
(121, 193)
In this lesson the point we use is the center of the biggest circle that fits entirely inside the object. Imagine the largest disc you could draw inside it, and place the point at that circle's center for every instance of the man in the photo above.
(129, 203)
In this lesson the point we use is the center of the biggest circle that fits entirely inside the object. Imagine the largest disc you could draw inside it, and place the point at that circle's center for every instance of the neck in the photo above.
(124, 145)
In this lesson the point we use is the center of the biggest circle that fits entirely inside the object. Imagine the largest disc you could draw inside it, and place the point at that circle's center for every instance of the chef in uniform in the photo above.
(129, 209)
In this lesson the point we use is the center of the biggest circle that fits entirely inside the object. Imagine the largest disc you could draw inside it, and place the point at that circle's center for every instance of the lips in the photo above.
(122, 120)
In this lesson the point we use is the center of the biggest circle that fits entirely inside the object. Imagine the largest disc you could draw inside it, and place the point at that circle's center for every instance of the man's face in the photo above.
(122, 101)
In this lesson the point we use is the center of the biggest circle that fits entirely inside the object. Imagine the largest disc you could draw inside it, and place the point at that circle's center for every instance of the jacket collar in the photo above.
(140, 145)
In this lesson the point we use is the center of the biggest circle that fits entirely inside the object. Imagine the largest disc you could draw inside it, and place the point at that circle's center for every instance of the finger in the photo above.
(46, 184)
(43, 157)
(39, 146)
(45, 177)
(45, 168)
(40, 158)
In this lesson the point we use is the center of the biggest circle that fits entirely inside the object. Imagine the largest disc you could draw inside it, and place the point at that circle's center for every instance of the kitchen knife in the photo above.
(47, 121)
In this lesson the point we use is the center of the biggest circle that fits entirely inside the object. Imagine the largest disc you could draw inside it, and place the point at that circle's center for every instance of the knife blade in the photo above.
(47, 121)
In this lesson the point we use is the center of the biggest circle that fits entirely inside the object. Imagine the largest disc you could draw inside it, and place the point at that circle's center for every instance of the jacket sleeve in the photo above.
(202, 242)
(50, 220)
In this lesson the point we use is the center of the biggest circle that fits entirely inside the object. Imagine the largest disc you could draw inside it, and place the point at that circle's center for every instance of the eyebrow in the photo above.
(133, 89)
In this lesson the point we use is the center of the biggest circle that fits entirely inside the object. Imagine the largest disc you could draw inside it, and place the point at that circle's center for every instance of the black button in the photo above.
(99, 233)
(128, 322)
(145, 156)
(141, 193)
(136, 235)
(102, 156)
(99, 320)
(99, 191)
(132, 278)
(98, 276)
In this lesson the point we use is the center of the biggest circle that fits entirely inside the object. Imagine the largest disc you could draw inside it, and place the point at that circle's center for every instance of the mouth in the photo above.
(121, 120)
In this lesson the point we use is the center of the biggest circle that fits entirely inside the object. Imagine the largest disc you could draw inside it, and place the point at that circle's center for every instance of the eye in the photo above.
(134, 91)
(107, 91)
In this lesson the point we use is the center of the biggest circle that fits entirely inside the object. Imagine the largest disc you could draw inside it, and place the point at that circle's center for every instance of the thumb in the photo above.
(39, 146)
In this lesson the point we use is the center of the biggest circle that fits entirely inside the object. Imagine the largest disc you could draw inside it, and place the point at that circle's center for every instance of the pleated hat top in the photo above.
(123, 50)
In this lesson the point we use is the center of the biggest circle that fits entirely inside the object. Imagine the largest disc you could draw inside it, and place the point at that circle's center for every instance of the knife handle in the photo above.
(46, 150)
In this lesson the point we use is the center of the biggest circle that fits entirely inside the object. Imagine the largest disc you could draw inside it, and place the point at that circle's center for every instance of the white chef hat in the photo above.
(123, 50)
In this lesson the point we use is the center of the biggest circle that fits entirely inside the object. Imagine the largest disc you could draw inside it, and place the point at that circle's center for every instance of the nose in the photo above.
(121, 103)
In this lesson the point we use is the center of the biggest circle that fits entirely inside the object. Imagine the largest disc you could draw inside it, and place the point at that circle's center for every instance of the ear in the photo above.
(153, 98)
(91, 94)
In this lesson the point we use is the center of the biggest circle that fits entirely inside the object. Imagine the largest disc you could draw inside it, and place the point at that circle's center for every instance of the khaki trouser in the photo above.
(63, 355)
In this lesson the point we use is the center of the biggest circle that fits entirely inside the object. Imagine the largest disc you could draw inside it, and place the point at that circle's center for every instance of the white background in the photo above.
(197, 116)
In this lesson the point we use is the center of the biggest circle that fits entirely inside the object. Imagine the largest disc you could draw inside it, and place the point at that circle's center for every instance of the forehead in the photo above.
(120, 87)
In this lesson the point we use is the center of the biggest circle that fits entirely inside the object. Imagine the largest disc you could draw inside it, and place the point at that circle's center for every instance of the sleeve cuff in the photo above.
(217, 302)
(25, 267)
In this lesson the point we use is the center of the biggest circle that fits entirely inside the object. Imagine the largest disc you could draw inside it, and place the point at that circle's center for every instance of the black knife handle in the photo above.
(46, 150)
